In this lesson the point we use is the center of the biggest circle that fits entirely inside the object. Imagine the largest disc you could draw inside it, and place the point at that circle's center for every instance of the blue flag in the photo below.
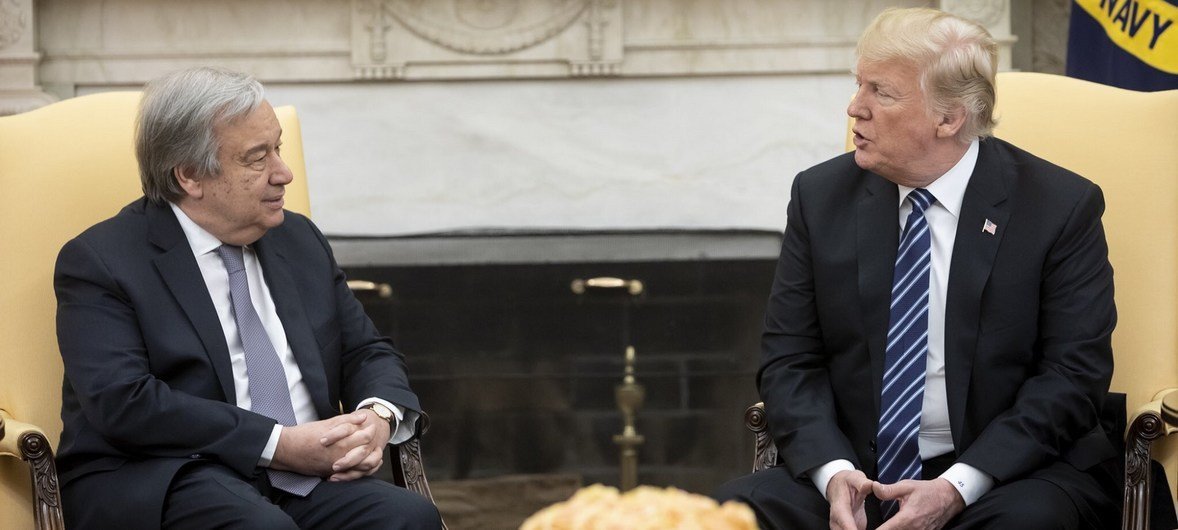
(1130, 44)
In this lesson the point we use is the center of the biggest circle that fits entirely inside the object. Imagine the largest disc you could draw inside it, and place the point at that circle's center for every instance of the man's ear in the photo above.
(186, 178)
(951, 123)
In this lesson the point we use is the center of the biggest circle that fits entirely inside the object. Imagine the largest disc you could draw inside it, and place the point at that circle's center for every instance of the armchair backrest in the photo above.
(63, 168)
(1127, 143)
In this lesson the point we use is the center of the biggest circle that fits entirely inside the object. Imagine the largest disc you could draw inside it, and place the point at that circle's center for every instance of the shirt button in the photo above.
(871, 445)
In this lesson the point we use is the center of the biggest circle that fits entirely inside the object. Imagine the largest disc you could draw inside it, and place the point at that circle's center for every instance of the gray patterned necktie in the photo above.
(269, 394)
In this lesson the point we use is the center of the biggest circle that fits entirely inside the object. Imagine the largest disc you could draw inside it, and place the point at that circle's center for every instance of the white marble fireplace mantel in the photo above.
(424, 116)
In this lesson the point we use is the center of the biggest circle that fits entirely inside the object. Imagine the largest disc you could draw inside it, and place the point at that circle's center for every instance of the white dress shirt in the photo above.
(936, 439)
(216, 278)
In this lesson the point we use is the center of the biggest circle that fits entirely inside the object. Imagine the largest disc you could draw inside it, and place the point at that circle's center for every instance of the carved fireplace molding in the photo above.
(546, 37)
(84, 45)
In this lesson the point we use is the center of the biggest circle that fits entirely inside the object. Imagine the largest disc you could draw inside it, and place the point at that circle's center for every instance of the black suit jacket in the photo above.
(148, 384)
(1028, 318)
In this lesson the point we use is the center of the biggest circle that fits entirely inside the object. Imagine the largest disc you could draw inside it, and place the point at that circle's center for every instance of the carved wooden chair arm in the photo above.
(755, 419)
(409, 469)
(1154, 420)
(29, 443)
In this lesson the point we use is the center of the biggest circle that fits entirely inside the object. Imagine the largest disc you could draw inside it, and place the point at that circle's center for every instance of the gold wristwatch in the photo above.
(382, 411)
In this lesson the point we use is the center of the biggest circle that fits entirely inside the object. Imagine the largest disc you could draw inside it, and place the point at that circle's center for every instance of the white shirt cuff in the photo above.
(271, 446)
(405, 424)
(971, 483)
(822, 474)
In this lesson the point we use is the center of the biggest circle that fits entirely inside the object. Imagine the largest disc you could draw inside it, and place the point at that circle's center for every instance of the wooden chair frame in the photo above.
(1153, 422)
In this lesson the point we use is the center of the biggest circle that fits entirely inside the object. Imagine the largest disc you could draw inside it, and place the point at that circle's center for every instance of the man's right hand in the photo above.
(847, 491)
(301, 448)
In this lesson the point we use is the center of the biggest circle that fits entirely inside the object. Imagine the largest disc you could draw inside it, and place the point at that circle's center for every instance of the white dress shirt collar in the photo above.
(201, 241)
(949, 189)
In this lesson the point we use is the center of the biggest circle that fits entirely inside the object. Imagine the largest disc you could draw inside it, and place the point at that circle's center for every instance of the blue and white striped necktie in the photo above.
(904, 364)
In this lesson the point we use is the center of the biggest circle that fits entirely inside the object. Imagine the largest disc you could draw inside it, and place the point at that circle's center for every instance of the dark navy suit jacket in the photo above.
(1028, 319)
(148, 385)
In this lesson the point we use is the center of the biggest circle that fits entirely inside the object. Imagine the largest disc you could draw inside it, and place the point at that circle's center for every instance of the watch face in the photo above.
(382, 411)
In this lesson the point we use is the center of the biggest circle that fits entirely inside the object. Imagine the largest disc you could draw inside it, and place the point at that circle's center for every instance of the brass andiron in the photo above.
(630, 395)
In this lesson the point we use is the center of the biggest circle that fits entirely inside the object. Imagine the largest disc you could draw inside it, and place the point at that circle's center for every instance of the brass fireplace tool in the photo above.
(629, 394)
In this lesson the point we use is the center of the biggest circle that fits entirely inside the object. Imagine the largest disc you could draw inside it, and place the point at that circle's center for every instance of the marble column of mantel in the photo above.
(19, 91)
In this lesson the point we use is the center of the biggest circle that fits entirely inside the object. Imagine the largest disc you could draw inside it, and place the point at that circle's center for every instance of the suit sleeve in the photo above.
(794, 380)
(370, 366)
(1061, 400)
(107, 365)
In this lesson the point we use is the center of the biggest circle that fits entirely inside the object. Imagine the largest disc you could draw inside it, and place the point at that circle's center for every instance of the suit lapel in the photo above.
(878, 235)
(289, 306)
(180, 272)
(974, 250)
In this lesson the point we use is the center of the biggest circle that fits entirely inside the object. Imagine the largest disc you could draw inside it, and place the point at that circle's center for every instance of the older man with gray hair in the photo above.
(209, 340)
(937, 340)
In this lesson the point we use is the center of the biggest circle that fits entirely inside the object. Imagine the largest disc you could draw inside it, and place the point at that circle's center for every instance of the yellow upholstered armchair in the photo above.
(63, 168)
(1126, 142)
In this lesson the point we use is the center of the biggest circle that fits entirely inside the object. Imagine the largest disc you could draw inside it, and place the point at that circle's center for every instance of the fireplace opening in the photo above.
(518, 372)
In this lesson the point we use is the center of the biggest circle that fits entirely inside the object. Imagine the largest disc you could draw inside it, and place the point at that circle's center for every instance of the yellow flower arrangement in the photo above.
(600, 507)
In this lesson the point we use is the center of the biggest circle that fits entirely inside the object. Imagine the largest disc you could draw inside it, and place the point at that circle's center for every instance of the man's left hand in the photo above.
(923, 503)
(367, 453)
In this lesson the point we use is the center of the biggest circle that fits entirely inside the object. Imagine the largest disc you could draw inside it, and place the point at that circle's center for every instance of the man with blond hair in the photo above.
(937, 339)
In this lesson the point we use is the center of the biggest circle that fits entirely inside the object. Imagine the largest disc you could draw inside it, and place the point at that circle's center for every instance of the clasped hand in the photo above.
(924, 504)
(342, 448)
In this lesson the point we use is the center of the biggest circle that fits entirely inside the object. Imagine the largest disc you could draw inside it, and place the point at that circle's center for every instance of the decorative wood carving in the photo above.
(35, 450)
(1146, 428)
(410, 471)
(410, 461)
(757, 421)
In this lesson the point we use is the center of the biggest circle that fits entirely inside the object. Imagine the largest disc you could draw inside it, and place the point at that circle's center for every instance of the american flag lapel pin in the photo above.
(989, 227)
